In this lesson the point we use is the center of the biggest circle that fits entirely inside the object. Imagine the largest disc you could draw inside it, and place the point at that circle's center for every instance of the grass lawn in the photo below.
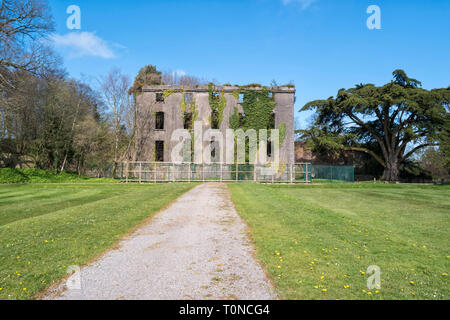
(9, 176)
(46, 228)
(316, 242)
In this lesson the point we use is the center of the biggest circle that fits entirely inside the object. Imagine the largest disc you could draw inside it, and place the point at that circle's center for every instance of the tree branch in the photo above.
(406, 156)
(373, 154)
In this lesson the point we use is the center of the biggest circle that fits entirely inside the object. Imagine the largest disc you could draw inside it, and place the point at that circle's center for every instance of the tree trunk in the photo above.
(391, 171)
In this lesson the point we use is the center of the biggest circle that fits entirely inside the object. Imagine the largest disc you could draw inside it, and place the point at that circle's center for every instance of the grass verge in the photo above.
(316, 242)
(9, 176)
(46, 228)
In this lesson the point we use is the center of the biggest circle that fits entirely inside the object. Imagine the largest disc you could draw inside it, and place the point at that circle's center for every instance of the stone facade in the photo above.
(150, 107)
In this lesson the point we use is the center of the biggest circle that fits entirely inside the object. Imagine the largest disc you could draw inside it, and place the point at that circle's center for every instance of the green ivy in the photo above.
(257, 107)
(183, 104)
(282, 130)
(217, 105)
(192, 107)
(168, 92)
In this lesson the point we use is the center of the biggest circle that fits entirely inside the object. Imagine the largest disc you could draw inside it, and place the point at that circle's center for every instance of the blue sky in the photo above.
(320, 45)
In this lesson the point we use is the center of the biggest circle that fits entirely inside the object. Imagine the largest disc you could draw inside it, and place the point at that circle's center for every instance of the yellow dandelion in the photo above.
(24, 289)
(445, 274)
(316, 287)
(411, 282)
(321, 277)
(369, 293)
(279, 267)
(376, 291)
(324, 290)
(412, 293)
(424, 247)
(363, 290)
(362, 272)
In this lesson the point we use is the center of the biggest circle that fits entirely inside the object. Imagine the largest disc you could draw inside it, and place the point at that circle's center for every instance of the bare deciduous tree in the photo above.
(114, 90)
(174, 78)
(23, 23)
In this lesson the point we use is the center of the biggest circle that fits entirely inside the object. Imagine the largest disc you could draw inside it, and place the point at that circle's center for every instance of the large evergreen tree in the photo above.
(389, 122)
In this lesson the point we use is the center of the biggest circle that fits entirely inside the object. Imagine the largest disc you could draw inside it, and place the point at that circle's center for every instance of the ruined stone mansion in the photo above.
(160, 110)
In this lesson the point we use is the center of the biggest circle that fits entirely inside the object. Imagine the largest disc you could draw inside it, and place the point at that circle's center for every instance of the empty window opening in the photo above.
(215, 119)
(241, 98)
(213, 150)
(241, 119)
(159, 121)
(271, 124)
(188, 97)
(216, 95)
(270, 94)
(159, 151)
(269, 148)
(159, 97)
(187, 120)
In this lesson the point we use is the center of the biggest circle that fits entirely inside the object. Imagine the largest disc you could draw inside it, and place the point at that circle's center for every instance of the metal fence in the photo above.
(156, 172)
(333, 173)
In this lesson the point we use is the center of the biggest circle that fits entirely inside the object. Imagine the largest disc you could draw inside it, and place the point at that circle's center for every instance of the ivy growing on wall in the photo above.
(217, 103)
(257, 108)
(168, 92)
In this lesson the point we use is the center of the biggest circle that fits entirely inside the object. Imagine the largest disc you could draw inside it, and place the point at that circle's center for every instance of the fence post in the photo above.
(221, 172)
(126, 175)
(237, 171)
(254, 172)
(306, 173)
(293, 173)
(290, 172)
(154, 172)
(190, 172)
(140, 172)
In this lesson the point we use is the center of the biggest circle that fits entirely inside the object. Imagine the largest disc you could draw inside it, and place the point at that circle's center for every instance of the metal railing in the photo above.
(157, 172)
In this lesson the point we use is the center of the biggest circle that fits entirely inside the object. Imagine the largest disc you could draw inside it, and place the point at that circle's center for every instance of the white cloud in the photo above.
(83, 44)
(303, 3)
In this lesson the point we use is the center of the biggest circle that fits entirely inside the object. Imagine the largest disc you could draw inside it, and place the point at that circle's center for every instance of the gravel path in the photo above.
(197, 248)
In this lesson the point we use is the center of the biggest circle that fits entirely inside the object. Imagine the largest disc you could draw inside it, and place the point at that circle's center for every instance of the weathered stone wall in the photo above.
(147, 106)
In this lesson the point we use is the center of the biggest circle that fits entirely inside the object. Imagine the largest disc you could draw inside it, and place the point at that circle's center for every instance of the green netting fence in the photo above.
(324, 173)
(290, 173)
(170, 172)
